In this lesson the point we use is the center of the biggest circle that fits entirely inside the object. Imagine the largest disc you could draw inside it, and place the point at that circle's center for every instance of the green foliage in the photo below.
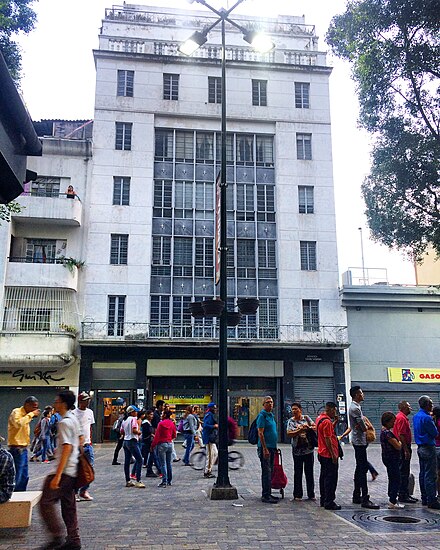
(6, 210)
(394, 50)
(71, 263)
(15, 16)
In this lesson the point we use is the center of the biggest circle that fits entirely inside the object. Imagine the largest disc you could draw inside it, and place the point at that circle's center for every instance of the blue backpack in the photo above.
(253, 433)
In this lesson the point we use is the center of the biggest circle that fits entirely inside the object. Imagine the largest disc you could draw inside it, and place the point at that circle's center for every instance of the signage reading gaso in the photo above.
(413, 375)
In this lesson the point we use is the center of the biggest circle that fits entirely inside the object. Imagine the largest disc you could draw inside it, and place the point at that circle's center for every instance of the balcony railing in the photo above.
(289, 334)
(33, 260)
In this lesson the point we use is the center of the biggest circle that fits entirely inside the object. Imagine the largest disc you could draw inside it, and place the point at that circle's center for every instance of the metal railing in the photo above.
(35, 260)
(292, 334)
(50, 195)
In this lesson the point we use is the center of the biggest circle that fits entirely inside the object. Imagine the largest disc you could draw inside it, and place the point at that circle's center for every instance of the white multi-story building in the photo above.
(148, 231)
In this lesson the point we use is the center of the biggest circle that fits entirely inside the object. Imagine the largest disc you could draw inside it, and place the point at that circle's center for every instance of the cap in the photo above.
(84, 396)
(212, 404)
(132, 408)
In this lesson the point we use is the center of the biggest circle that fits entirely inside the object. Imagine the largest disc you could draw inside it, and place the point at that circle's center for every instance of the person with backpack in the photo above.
(210, 436)
(190, 425)
(267, 447)
(120, 441)
(328, 456)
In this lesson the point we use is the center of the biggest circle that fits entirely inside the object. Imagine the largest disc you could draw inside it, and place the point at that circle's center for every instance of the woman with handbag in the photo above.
(163, 439)
(301, 429)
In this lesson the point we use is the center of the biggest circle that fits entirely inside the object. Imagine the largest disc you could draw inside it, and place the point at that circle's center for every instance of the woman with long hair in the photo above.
(163, 439)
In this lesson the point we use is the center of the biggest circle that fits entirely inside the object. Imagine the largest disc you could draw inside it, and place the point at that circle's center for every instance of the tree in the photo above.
(394, 49)
(15, 16)
(6, 210)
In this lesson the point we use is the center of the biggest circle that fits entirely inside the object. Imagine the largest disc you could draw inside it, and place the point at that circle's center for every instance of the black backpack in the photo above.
(253, 433)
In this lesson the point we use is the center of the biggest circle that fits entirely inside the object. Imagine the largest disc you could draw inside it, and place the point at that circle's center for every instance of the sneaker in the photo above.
(177, 459)
(45, 462)
(370, 505)
(297, 498)
(332, 506)
(162, 484)
(86, 496)
(116, 463)
(151, 474)
(396, 506)
(312, 499)
(169, 484)
(77, 498)
(408, 500)
(139, 485)
(208, 475)
(130, 483)
(133, 476)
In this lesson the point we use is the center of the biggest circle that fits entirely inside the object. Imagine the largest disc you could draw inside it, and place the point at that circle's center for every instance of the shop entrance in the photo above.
(109, 404)
(244, 408)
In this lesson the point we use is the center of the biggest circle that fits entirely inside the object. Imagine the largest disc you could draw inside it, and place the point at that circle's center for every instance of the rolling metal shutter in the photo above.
(313, 393)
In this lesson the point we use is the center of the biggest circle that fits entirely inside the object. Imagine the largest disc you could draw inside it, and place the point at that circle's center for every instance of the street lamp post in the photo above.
(223, 489)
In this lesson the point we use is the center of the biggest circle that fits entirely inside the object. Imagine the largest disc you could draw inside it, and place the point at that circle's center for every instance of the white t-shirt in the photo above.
(86, 418)
(68, 432)
(127, 427)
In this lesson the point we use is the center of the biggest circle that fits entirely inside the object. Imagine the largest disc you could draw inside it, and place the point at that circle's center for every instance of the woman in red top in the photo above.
(163, 439)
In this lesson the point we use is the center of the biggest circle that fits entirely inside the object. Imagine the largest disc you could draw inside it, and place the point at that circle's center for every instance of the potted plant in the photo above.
(71, 263)
(234, 318)
(248, 306)
(196, 309)
(213, 308)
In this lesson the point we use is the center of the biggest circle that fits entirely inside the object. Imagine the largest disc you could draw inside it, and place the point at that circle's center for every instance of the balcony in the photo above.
(36, 349)
(50, 208)
(52, 274)
(281, 335)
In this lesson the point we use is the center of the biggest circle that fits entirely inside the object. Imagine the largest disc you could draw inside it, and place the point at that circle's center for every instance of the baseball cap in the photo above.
(84, 396)
(132, 408)
(212, 404)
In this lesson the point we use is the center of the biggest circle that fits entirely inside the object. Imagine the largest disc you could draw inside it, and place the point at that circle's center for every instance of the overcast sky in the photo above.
(59, 82)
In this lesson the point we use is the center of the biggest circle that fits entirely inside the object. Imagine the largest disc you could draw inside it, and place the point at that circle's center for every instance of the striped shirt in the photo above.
(7, 475)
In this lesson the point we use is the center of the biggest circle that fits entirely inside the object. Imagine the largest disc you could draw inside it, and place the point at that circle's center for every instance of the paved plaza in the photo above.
(182, 517)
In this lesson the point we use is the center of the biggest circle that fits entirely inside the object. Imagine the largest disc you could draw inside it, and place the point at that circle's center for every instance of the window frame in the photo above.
(215, 89)
(302, 95)
(121, 190)
(125, 83)
(123, 136)
(259, 92)
(171, 86)
(304, 146)
(118, 249)
(310, 311)
(308, 256)
(116, 314)
(306, 206)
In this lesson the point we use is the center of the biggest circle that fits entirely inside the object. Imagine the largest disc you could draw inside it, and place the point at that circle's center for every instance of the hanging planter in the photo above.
(248, 306)
(234, 318)
(213, 308)
(196, 310)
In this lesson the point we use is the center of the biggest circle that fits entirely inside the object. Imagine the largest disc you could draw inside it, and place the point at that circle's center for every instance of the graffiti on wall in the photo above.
(20, 375)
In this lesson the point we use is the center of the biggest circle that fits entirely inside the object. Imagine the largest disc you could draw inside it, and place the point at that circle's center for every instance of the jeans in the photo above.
(45, 448)
(131, 449)
(360, 473)
(90, 455)
(266, 471)
(118, 447)
(157, 460)
(404, 470)
(328, 480)
(49, 512)
(393, 473)
(189, 440)
(20, 456)
(165, 451)
(428, 473)
(145, 451)
(300, 463)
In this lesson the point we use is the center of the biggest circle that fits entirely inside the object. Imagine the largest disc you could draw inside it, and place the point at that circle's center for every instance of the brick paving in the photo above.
(182, 517)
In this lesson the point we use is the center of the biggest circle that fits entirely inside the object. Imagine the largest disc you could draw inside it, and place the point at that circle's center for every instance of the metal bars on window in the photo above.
(116, 315)
(118, 249)
(121, 191)
(310, 315)
(123, 136)
(306, 199)
(308, 255)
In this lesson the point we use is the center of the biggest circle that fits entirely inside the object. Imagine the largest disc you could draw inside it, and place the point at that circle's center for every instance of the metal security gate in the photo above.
(313, 393)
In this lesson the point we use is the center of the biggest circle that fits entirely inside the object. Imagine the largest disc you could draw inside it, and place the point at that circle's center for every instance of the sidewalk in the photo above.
(182, 517)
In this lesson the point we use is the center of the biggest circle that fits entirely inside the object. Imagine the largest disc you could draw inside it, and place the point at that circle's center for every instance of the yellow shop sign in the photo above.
(413, 375)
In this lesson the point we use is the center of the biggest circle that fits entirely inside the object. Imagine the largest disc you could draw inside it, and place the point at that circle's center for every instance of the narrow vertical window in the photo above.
(310, 315)
(125, 86)
(306, 200)
(116, 315)
(302, 95)
(214, 89)
(118, 249)
(121, 191)
(304, 146)
(259, 93)
(308, 255)
(171, 86)
(123, 136)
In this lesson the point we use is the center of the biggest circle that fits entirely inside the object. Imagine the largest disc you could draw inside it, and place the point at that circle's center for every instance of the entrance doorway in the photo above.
(109, 405)
(244, 409)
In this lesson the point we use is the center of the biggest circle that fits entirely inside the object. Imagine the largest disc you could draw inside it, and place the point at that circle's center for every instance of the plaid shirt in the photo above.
(7, 475)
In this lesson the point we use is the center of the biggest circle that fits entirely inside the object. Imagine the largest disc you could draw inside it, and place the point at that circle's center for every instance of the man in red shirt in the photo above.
(402, 430)
(328, 456)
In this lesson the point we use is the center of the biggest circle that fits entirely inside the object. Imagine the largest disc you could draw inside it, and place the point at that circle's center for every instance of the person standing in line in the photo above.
(60, 484)
(209, 436)
(86, 419)
(147, 438)
(425, 433)
(402, 430)
(120, 440)
(157, 417)
(7, 474)
(267, 446)
(19, 439)
(436, 417)
(190, 425)
(302, 452)
(358, 427)
(130, 430)
(163, 439)
(328, 456)
(391, 448)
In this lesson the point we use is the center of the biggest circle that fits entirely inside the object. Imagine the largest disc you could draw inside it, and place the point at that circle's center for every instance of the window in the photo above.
(204, 265)
(171, 86)
(34, 319)
(229, 148)
(163, 145)
(310, 315)
(214, 89)
(245, 149)
(116, 315)
(267, 262)
(125, 83)
(46, 187)
(183, 199)
(246, 259)
(181, 314)
(119, 249)
(161, 255)
(183, 257)
(205, 147)
(184, 146)
(163, 195)
(160, 310)
(123, 136)
(302, 95)
(245, 202)
(268, 312)
(41, 251)
(304, 146)
(121, 191)
(308, 255)
(264, 151)
(266, 203)
(259, 93)
(306, 199)
(204, 200)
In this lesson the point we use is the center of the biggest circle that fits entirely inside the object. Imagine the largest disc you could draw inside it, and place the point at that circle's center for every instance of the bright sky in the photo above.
(59, 82)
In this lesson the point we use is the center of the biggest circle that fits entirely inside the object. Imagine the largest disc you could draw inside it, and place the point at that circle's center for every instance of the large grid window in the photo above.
(160, 310)
(267, 261)
(204, 200)
(161, 254)
(230, 258)
(246, 259)
(123, 136)
(125, 83)
(306, 199)
(245, 149)
(205, 147)
(116, 315)
(163, 142)
(308, 255)
(214, 89)
(230, 155)
(171, 86)
(264, 151)
(184, 146)
(266, 203)
(183, 199)
(118, 249)
(41, 251)
(302, 95)
(45, 187)
(181, 313)
(245, 202)
(259, 93)
(304, 146)
(37, 319)
(163, 199)
(121, 191)
(310, 315)
(204, 265)
(268, 312)
(183, 257)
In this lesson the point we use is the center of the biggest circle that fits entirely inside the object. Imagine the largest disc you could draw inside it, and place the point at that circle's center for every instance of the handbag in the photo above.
(312, 438)
(85, 472)
(370, 434)
(213, 436)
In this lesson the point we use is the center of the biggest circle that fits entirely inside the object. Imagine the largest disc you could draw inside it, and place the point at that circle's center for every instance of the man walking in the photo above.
(359, 441)
(402, 430)
(86, 419)
(7, 474)
(209, 436)
(267, 446)
(425, 433)
(328, 456)
(60, 484)
(19, 439)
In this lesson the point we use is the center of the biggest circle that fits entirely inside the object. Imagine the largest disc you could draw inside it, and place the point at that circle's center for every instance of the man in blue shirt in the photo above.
(425, 433)
(267, 446)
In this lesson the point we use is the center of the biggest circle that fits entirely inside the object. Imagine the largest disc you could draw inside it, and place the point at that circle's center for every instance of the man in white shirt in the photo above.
(86, 419)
